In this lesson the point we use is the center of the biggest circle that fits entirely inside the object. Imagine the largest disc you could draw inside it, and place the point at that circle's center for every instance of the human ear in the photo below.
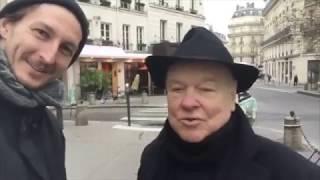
(5, 25)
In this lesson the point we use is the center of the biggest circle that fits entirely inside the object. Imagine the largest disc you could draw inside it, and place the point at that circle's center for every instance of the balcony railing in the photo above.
(284, 33)
(141, 47)
(100, 42)
(139, 6)
(179, 7)
(107, 42)
(193, 11)
(105, 3)
(125, 4)
(85, 1)
(164, 4)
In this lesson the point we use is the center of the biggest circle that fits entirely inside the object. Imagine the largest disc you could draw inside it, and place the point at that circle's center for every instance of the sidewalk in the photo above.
(289, 87)
(100, 151)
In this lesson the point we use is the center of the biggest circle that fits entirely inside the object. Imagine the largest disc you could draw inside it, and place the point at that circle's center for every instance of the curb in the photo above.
(308, 93)
(119, 106)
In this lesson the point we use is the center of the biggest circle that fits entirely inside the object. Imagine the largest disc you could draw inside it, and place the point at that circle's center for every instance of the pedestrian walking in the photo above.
(39, 40)
(295, 80)
(269, 78)
(207, 135)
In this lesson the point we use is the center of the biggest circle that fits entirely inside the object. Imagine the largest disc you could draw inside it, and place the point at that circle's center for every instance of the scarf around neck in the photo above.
(209, 151)
(15, 92)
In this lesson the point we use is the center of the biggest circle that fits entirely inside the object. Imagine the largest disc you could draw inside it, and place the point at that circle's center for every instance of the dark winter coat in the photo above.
(32, 145)
(232, 153)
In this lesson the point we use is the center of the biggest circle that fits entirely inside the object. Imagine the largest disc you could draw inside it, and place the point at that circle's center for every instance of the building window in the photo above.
(90, 27)
(125, 37)
(192, 4)
(163, 3)
(125, 4)
(105, 31)
(163, 24)
(139, 6)
(140, 44)
(178, 6)
(192, 9)
(179, 29)
(105, 3)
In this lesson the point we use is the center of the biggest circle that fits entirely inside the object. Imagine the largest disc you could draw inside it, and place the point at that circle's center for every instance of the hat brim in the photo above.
(158, 66)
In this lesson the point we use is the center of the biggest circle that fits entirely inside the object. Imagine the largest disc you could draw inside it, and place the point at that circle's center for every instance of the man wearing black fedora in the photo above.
(207, 136)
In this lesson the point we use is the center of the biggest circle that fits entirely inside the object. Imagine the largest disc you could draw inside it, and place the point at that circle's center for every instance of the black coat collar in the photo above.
(240, 163)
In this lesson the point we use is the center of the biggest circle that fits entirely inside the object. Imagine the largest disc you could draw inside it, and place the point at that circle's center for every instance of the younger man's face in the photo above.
(40, 46)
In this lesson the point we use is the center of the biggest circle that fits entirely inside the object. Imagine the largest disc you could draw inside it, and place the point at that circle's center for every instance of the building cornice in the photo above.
(282, 58)
(114, 8)
(245, 24)
(269, 6)
(173, 10)
(278, 36)
(232, 35)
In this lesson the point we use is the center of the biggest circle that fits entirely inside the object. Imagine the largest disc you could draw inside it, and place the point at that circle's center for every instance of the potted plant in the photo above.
(92, 81)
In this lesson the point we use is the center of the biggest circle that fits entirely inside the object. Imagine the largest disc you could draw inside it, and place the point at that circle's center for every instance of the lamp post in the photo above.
(127, 91)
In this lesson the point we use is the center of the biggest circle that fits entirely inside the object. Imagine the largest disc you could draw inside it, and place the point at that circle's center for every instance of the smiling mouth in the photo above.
(40, 69)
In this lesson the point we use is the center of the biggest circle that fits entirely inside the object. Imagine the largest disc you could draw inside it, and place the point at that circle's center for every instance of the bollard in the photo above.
(144, 97)
(292, 133)
(81, 119)
(92, 98)
(127, 93)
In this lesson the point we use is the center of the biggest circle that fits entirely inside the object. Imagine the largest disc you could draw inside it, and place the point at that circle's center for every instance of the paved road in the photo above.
(274, 104)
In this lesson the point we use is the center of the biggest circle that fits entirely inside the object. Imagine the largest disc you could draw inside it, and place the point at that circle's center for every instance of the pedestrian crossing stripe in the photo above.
(136, 128)
(150, 119)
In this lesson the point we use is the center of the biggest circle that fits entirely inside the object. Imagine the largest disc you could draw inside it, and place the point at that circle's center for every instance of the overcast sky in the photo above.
(219, 12)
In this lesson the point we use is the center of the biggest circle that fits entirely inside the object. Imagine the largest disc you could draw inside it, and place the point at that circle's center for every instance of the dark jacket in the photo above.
(32, 145)
(238, 154)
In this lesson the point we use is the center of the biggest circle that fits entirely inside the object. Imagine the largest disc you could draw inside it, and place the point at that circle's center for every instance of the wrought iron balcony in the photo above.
(105, 3)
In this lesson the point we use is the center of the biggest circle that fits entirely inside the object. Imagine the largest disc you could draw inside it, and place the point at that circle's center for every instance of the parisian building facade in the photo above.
(134, 26)
(246, 34)
(291, 40)
(311, 35)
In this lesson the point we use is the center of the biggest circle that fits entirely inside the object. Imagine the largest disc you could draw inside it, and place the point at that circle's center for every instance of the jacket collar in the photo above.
(242, 161)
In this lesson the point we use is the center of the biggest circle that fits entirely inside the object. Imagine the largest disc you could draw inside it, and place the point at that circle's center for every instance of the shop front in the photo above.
(122, 68)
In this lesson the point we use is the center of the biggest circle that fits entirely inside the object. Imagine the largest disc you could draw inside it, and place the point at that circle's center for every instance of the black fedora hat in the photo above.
(200, 45)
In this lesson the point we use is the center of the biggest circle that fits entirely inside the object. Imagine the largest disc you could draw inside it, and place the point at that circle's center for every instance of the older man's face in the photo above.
(200, 98)
(40, 46)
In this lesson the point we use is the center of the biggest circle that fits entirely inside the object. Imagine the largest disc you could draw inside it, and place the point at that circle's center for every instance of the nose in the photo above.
(48, 53)
(189, 100)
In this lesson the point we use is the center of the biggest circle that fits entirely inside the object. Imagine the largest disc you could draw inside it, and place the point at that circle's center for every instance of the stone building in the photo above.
(291, 40)
(132, 26)
(311, 35)
(246, 34)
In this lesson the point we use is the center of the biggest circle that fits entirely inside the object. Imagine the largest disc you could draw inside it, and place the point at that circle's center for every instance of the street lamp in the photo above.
(127, 91)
